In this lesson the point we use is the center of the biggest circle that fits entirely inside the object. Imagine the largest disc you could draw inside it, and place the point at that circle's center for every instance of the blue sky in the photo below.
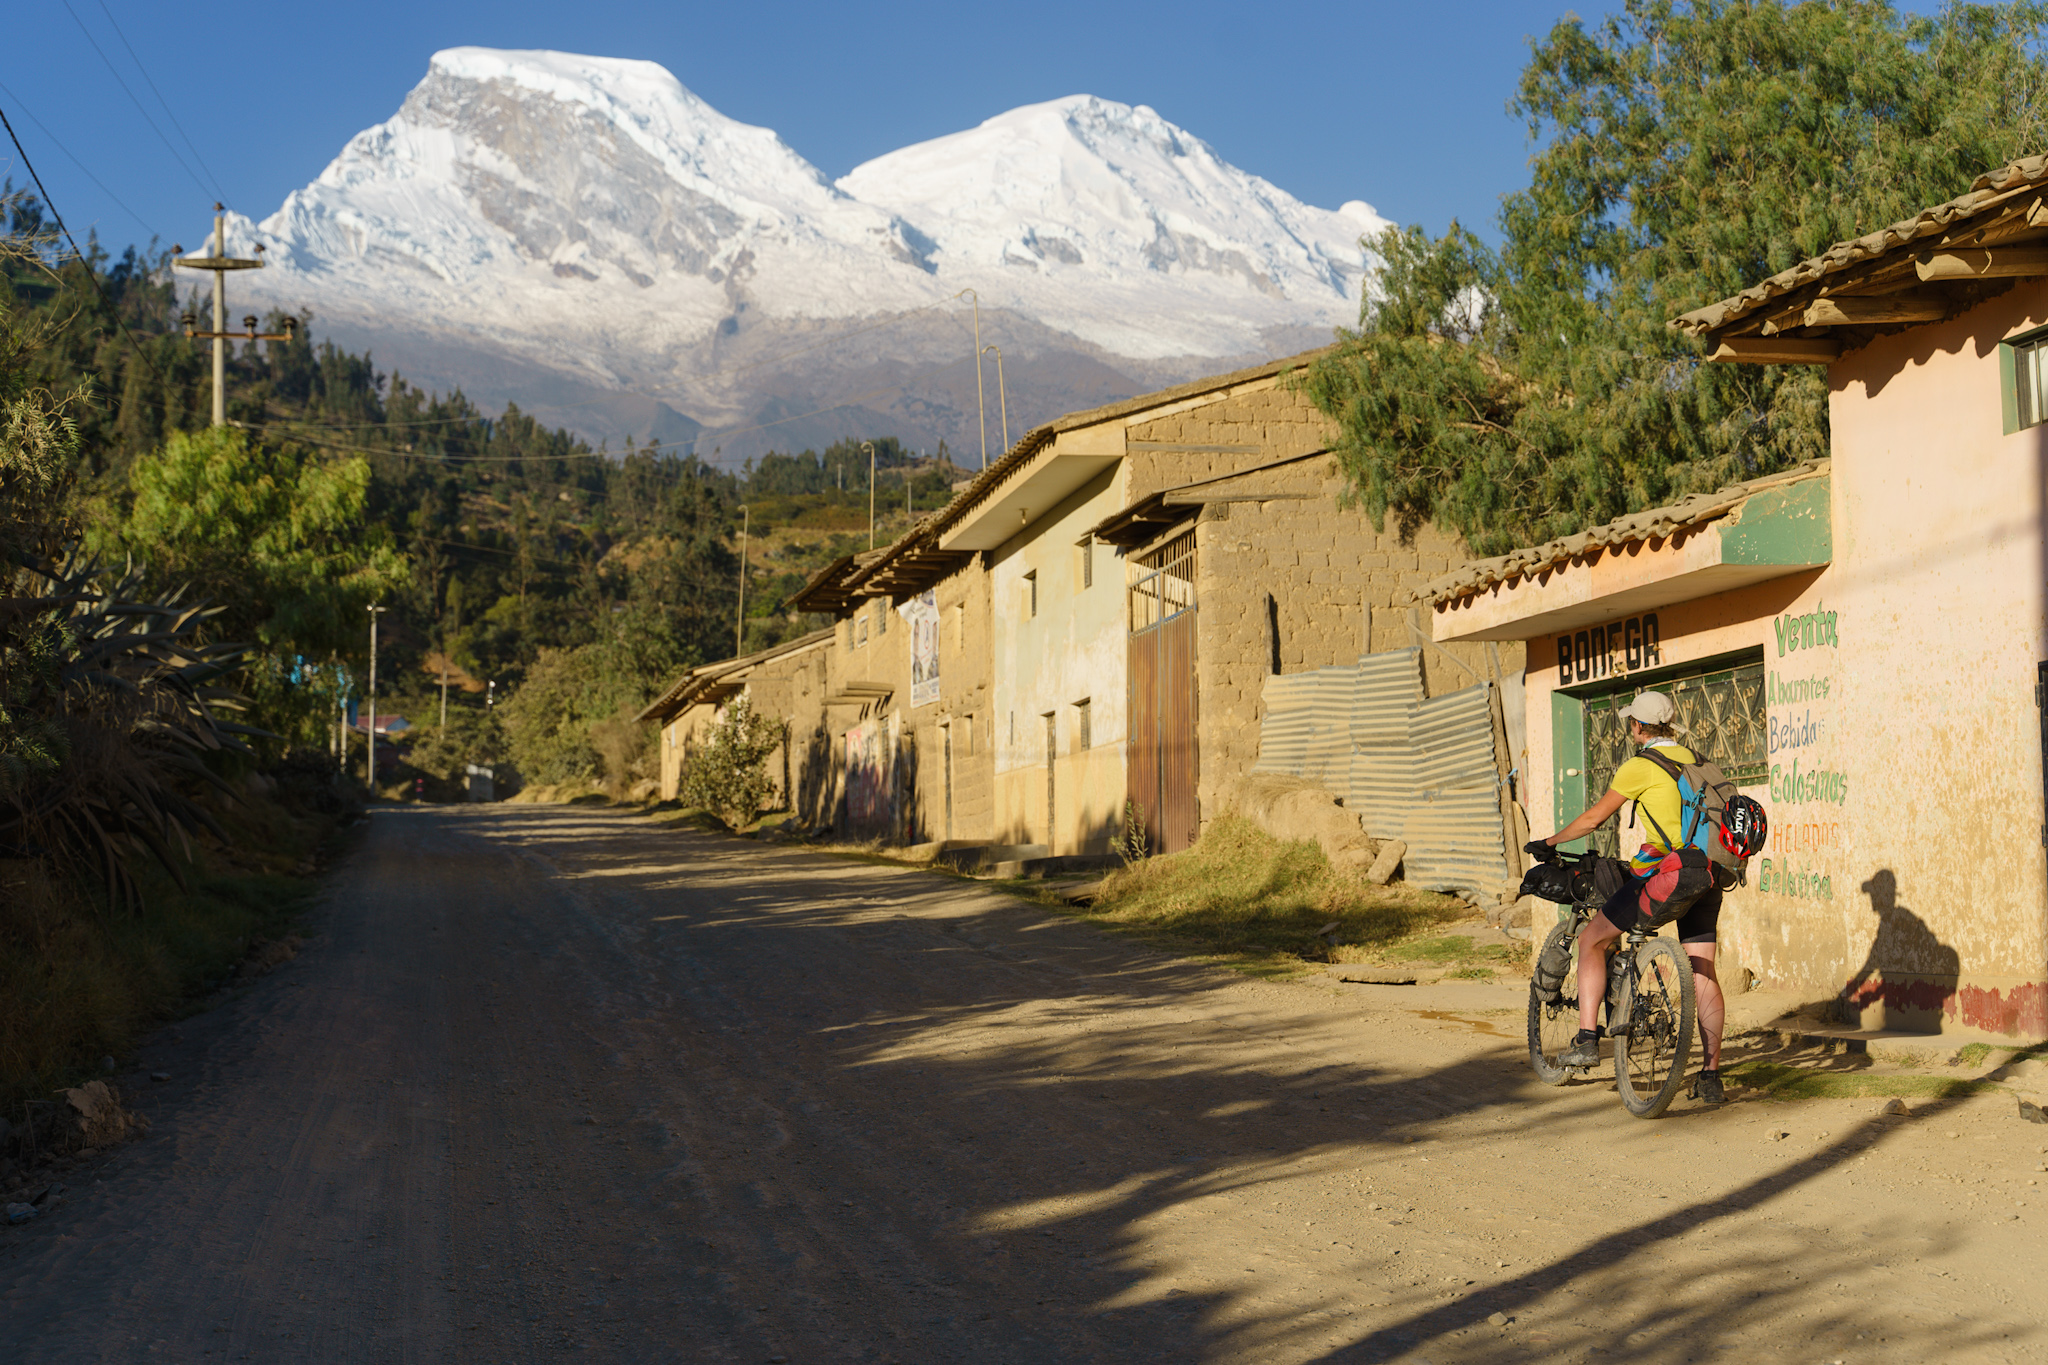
(1402, 105)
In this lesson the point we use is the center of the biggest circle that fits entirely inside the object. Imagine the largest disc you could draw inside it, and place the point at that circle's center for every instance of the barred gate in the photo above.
(1720, 717)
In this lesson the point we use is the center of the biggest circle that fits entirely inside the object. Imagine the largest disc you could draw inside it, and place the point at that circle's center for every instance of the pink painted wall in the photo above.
(1914, 878)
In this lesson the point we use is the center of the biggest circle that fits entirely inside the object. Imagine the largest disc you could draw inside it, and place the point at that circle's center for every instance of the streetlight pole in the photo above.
(869, 447)
(1002, 391)
(980, 394)
(739, 632)
(370, 767)
(220, 263)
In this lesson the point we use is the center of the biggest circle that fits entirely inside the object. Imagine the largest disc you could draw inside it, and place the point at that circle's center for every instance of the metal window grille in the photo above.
(2030, 381)
(1165, 586)
(881, 616)
(1031, 588)
(1720, 717)
(1082, 739)
(1087, 561)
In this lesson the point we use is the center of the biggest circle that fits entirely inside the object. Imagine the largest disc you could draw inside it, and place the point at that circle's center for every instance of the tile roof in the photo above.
(1987, 196)
(920, 542)
(698, 681)
(1653, 524)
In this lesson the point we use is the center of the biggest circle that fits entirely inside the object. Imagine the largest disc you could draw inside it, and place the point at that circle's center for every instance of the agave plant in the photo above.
(110, 704)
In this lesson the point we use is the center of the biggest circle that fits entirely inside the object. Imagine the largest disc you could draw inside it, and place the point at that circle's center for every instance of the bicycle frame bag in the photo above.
(1704, 793)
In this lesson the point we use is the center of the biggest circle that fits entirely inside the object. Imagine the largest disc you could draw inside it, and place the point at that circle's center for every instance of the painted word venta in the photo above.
(1589, 654)
(1814, 630)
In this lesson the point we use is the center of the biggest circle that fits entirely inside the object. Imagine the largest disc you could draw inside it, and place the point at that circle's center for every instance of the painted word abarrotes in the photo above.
(1814, 630)
(1784, 691)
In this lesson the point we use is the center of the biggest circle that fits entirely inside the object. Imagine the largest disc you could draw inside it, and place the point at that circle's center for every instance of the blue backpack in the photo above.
(1707, 805)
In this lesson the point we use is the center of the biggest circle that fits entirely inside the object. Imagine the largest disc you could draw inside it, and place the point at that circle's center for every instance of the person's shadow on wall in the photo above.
(1909, 971)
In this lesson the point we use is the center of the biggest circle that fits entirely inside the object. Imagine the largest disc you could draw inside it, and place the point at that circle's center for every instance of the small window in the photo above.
(2024, 366)
(860, 630)
(1082, 739)
(881, 616)
(1087, 561)
(1031, 593)
(1013, 729)
(1052, 736)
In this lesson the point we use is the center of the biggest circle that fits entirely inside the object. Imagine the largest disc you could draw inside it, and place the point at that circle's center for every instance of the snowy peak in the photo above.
(694, 143)
(1088, 182)
(592, 219)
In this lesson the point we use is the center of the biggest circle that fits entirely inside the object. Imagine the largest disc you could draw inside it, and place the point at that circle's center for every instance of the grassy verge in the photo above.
(1973, 1055)
(1245, 899)
(80, 980)
(1776, 1081)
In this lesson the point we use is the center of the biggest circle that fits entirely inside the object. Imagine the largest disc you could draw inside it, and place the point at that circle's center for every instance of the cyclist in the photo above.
(1649, 718)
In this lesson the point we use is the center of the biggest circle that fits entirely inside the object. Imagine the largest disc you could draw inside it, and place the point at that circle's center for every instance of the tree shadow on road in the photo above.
(1071, 1109)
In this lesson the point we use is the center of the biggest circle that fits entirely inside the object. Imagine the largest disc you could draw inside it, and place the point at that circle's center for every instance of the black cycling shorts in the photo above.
(1700, 924)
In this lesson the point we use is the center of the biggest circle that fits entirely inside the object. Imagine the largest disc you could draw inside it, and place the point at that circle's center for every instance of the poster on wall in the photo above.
(867, 777)
(922, 614)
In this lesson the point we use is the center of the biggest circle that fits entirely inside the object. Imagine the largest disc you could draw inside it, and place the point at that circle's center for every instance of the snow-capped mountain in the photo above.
(586, 236)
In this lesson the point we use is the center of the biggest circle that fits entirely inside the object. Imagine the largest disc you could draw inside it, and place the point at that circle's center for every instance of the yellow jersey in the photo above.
(1655, 794)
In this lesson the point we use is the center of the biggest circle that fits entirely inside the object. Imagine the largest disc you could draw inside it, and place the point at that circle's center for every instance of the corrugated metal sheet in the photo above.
(1417, 769)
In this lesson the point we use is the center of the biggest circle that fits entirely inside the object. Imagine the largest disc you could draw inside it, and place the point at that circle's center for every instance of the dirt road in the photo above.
(555, 1081)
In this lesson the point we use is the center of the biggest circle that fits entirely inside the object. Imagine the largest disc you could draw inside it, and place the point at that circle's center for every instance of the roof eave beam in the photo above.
(1754, 350)
(1982, 263)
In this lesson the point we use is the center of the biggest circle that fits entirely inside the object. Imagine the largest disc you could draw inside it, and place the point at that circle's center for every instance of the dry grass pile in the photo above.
(1239, 890)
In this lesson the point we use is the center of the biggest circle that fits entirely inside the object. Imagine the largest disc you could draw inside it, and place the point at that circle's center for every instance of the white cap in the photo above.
(1649, 708)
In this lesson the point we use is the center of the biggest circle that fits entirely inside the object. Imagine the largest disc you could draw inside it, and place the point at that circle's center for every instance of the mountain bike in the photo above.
(1649, 1004)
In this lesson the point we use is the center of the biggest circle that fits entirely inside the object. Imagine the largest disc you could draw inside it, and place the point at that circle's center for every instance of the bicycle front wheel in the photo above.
(1649, 1064)
(1554, 1023)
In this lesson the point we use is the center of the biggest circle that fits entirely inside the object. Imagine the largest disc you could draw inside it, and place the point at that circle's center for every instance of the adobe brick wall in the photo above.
(1302, 574)
(965, 648)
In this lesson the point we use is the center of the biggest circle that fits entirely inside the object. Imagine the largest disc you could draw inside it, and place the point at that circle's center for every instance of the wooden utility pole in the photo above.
(370, 768)
(869, 447)
(739, 630)
(220, 263)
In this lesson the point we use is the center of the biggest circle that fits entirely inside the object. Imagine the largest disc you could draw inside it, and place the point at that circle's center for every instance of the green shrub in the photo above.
(728, 774)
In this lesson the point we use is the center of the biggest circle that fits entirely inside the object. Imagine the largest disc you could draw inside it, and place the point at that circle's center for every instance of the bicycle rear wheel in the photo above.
(1553, 1024)
(1649, 1064)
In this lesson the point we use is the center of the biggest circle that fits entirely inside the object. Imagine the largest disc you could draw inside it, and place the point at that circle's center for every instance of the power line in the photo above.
(90, 273)
(161, 100)
(74, 161)
(133, 99)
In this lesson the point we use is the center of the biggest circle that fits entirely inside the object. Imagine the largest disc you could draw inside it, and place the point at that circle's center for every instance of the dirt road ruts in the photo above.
(555, 1081)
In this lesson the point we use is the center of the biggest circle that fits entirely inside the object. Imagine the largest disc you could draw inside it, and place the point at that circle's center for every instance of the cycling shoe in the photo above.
(1584, 1052)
